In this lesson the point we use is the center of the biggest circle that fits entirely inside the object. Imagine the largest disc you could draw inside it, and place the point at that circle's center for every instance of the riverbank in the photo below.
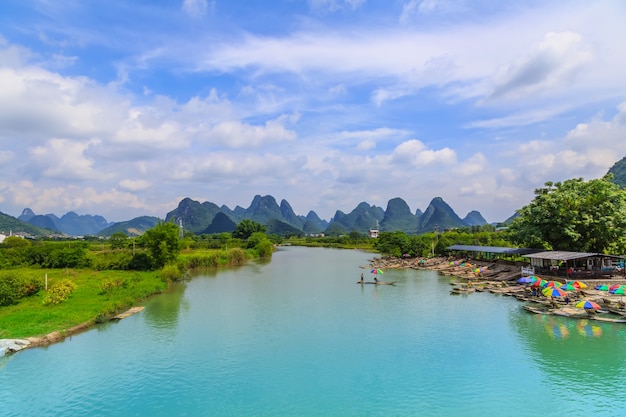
(8, 346)
(501, 278)
(460, 268)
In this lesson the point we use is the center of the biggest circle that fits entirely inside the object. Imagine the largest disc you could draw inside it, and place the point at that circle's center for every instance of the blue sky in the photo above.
(123, 108)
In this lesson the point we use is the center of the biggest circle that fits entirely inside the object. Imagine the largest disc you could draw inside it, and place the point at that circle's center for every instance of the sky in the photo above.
(123, 108)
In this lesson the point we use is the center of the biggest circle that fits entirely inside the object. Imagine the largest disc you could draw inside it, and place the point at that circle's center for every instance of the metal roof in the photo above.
(491, 249)
(561, 255)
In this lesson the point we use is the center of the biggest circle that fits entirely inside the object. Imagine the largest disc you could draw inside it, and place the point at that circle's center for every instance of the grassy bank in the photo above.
(97, 296)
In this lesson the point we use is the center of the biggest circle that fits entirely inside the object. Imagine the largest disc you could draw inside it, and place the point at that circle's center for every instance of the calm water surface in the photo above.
(298, 337)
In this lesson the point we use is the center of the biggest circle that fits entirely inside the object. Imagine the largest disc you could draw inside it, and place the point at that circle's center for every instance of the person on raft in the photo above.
(361, 276)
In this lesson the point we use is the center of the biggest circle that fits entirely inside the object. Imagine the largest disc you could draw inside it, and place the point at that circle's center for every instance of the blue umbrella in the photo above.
(525, 280)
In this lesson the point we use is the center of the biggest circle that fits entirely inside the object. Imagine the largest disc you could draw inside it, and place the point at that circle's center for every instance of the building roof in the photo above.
(492, 249)
(557, 255)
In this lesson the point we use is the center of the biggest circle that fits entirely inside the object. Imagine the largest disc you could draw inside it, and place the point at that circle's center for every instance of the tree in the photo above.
(118, 240)
(575, 216)
(14, 242)
(392, 243)
(246, 228)
(162, 243)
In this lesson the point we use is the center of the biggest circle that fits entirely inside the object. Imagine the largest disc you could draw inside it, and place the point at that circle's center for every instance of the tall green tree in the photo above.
(246, 228)
(118, 240)
(575, 215)
(392, 243)
(162, 242)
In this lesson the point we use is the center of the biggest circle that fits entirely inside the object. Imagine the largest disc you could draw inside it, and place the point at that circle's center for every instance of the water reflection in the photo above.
(588, 328)
(163, 311)
(573, 351)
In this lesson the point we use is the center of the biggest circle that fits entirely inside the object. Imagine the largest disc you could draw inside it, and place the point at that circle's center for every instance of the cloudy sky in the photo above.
(123, 108)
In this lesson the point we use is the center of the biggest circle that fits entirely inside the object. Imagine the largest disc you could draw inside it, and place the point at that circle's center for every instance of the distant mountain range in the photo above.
(210, 218)
(280, 219)
(207, 217)
(70, 223)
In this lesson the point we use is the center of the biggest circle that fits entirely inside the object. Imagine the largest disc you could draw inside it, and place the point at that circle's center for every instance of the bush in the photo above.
(236, 256)
(140, 262)
(265, 249)
(13, 286)
(59, 292)
(210, 260)
(112, 260)
(108, 285)
(171, 273)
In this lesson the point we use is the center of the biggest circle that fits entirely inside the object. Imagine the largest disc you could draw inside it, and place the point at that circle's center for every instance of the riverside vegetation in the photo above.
(90, 281)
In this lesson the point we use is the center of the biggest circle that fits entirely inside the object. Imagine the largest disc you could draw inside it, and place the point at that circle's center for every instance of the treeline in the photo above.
(153, 250)
(436, 243)
(160, 251)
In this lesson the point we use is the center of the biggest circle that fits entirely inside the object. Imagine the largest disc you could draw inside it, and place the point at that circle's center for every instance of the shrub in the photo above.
(108, 285)
(171, 273)
(210, 260)
(13, 286)
(265, 249)
(59, 292)
(236, 256)
(112, 260)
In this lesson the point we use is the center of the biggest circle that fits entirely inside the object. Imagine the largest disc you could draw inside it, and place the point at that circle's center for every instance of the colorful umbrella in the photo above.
(588, 305)
(554, 284)
(538, 283)
(621, 290)
(376, 271)
(553, 292)
(569, 287)
(579, 284)
(614, 287)
(602, 287)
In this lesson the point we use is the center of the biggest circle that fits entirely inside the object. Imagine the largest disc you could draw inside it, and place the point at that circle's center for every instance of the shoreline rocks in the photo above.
(8, 346)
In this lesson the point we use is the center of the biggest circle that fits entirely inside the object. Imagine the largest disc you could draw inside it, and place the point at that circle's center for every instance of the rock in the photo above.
(12, 345)
(54, 337)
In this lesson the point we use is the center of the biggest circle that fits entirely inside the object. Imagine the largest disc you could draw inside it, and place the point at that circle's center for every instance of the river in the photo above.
(298, 337)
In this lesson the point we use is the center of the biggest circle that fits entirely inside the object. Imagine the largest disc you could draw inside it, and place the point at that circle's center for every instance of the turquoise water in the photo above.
(297, 337)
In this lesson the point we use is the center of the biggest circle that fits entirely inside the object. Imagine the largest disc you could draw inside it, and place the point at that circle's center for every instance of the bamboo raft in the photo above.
(127, 313)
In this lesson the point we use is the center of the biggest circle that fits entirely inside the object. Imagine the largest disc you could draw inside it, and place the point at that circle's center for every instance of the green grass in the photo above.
(101, 294)
(29, 317)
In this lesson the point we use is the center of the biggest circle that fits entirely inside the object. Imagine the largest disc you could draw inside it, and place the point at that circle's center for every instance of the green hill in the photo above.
(10, 224)
(134, 227)
(619, 172)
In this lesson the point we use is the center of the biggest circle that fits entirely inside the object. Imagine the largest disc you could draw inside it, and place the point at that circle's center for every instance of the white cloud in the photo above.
(338, 89)
(134, 184)
(552, 64)
(335, 5)
(6, 157)
(75, 198)
(416, 153)
(473, 165)
(198, 8)
(236, 134)
(425, 7)
(65, 159)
